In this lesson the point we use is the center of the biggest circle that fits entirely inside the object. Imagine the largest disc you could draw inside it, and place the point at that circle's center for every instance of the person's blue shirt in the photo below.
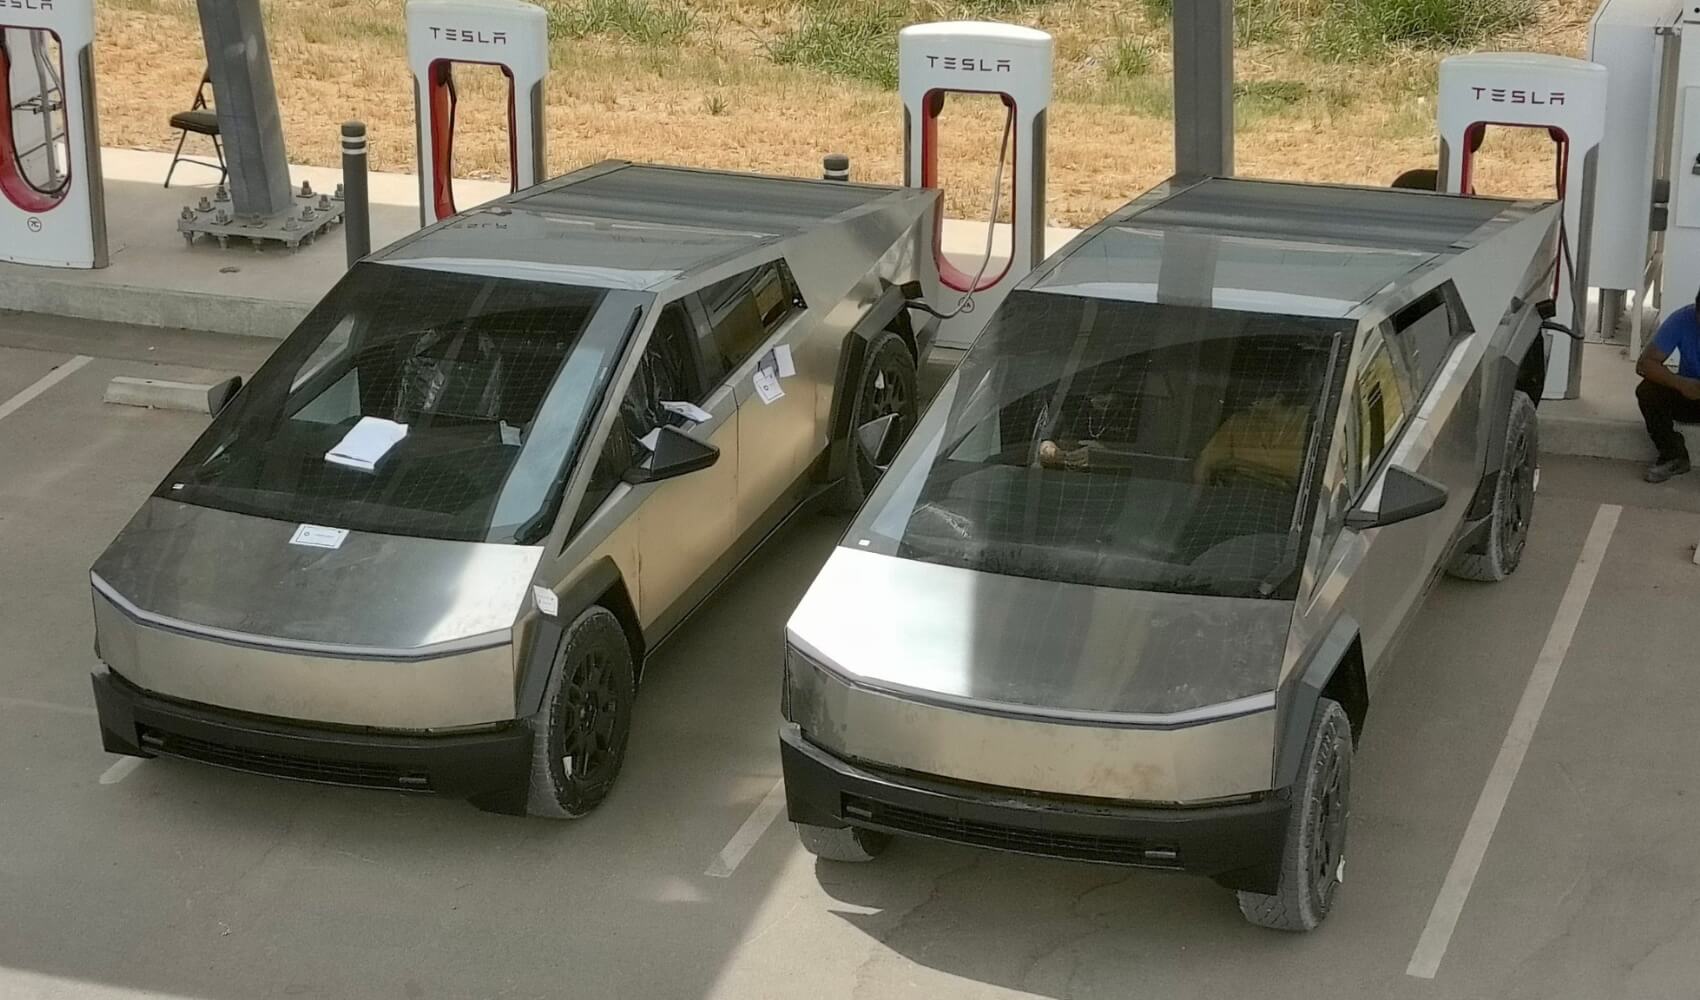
(1680, 334)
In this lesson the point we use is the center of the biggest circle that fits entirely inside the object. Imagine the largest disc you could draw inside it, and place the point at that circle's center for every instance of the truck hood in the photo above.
(241, 578)
(1034, 647)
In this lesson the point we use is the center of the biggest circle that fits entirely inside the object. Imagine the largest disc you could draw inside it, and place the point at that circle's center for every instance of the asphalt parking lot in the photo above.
(1527, 798)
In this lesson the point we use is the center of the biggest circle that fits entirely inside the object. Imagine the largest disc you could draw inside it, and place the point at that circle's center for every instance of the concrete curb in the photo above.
(169, 308)
(164, 394)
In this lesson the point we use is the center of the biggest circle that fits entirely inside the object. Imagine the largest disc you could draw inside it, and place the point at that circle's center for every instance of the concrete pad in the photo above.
(1605, 422)
(181, 881)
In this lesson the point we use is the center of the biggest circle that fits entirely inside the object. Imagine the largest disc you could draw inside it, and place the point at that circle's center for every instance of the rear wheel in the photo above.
(1313, 857)
(887, 384)
(845, 844)
(1496, 556)
(579, 737)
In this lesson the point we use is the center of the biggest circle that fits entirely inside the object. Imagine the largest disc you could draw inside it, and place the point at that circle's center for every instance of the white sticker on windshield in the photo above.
(767, 386)
(318, 536)
(783, 361)
(547, 600)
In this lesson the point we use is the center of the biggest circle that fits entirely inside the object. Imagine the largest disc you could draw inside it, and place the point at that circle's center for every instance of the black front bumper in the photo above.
(1238, 844)
(491, 767)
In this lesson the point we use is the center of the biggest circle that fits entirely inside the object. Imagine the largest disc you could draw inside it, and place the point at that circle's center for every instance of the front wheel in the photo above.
(1497, 555)
(1313, 857)
(887, 384)
(579, 738)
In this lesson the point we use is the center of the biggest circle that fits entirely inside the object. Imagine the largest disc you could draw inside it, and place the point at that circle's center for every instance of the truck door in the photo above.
(750, 317)
(684, 525)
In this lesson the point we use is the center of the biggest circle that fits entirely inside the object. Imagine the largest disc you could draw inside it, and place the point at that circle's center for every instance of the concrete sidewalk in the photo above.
(157, 279)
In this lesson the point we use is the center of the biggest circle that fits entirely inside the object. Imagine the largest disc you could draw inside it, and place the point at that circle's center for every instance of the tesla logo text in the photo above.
(969, 64)
(1511, 95)
(27, 4)
(469, 36)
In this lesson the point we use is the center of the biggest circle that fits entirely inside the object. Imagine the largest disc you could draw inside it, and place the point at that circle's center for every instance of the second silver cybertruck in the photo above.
(429, 544)
(1120, 596)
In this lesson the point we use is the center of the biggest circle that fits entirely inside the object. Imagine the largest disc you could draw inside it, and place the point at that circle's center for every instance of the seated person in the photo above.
(1266, 440)
(1092, 432)
(1668, 398)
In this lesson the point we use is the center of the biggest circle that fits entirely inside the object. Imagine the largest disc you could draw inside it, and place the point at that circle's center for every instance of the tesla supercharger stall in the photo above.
(1566, 98)
(1014, 64)
(52, 206)
(510, 35)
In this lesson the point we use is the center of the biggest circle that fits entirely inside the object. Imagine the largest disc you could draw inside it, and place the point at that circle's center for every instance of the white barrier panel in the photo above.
(975, 57)
(508, 34)
(52, 203)
(1566, 98)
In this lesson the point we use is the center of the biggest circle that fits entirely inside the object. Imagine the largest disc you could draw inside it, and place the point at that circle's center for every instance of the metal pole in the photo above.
(1204, 88)
(249, 123)
(356, 217)
(835, 167)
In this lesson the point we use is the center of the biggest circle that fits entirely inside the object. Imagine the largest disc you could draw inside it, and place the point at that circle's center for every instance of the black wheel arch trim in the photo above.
(549, 631)
(1296, 709)
(873, 323)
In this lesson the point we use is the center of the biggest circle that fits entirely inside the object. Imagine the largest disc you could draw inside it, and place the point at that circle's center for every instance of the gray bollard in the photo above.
(835, 167)
(356, 217)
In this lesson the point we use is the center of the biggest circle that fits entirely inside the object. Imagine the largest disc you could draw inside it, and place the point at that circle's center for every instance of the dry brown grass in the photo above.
(717, 100)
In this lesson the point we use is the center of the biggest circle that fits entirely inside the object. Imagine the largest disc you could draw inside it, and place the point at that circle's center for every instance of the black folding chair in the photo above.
(201, 120)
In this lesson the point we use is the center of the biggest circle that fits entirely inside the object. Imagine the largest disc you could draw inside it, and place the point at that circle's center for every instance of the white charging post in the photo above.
(975, 57)
(1567, 98)
(52, 203)
(509, 34)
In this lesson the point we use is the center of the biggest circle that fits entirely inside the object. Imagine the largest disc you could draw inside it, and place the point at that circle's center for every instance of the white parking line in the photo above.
(46, 706)
(121, 769)
(42, 384)
(1455, 891)
(732, 855)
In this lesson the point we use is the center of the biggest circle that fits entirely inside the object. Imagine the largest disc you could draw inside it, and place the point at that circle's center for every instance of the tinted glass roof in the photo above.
(1298, 249)
(634, 226)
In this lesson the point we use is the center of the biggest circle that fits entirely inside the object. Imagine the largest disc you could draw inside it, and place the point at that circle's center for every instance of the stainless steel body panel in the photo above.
(451, 691)
(1015, 644)
(1190, 763)
(385, 595)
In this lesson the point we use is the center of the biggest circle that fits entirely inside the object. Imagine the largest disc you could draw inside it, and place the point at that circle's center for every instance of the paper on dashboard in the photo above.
(366, 443)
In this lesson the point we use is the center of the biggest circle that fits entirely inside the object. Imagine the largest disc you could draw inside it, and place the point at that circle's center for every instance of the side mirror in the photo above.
(1404, 495)
(675, 454)
(222, 393)
(872, 436)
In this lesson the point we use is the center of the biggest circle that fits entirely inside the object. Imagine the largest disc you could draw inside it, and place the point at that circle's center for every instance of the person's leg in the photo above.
(1661, 408)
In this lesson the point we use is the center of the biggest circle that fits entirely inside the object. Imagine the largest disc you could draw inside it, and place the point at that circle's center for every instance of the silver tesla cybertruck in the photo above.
(1119, 596)
(429, 544)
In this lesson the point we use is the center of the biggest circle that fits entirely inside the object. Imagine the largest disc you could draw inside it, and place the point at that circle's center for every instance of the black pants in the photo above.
(1663, 408)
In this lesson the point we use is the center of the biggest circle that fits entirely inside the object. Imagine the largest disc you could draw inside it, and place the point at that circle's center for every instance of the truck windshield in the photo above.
(416, 402)
(1117, 444)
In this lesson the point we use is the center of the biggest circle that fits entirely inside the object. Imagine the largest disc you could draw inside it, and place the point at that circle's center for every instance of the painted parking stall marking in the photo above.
(120, 770)
(1455, 891)
(42, 384)
(732, 855)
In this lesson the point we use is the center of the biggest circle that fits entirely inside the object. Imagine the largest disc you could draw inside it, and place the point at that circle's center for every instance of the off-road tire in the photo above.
(849, 843)
(897, 392)
(1313, 856)
(586, 718)
(1498, 554)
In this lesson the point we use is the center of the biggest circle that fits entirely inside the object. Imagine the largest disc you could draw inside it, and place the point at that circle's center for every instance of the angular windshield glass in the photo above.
(416, 402)
(1117, 444)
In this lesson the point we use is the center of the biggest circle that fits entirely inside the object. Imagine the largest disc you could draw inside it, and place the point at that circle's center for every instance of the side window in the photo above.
(1424, 333)
(667, 372)
(617, 456)
(746, 309)
(1380, 408)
